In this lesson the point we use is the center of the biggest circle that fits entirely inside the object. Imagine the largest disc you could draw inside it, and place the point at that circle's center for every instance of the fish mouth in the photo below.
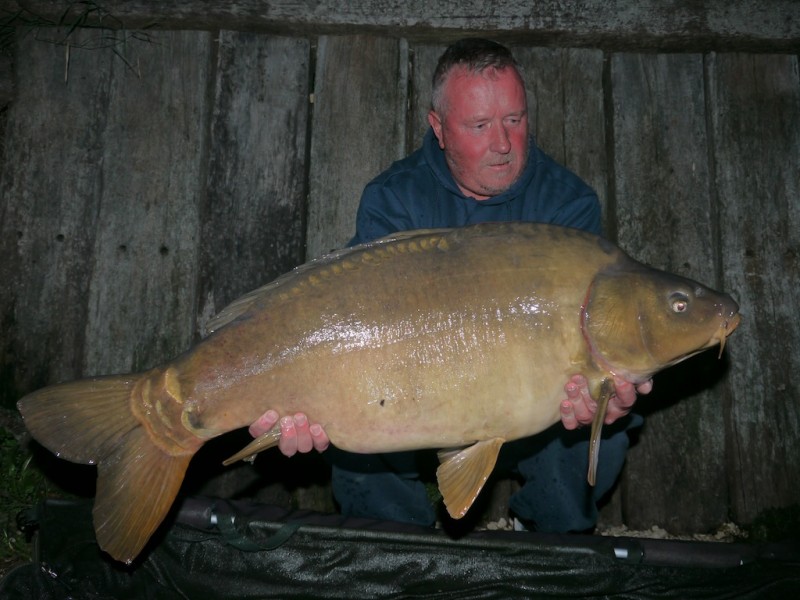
(726, 328)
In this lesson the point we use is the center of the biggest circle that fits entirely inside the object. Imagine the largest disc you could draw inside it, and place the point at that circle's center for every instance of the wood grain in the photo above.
(756, 131)
(662, 209)
(253, 213)
(359, 130)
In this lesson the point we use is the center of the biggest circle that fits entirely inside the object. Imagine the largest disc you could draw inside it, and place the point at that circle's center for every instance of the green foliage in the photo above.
(432, 490)
(23, 487)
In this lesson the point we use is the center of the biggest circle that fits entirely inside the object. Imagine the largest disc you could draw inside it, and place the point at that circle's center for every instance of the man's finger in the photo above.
(583, 405)
(288, 441)
(304, 441)
(568, 416)
(264, 423)
(319, 437)
(625, 394)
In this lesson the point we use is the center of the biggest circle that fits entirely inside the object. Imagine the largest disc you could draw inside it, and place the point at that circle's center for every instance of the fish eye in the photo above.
(679, 302)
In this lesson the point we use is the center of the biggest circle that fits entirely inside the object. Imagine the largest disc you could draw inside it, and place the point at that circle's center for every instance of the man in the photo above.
(478, 163)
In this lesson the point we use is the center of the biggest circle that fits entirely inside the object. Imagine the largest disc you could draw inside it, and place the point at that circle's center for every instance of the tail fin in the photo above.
(90, 421)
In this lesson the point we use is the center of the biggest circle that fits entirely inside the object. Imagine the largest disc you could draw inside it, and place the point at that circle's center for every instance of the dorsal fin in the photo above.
(242, 304)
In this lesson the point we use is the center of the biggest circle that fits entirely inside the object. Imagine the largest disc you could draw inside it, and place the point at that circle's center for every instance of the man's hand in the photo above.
(579, 407)
(296, 434)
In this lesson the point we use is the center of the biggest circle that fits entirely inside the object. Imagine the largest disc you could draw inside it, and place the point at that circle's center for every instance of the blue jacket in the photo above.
(419, 192)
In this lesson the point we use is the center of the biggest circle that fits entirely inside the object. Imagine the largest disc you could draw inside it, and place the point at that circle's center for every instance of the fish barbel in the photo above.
(449, 339)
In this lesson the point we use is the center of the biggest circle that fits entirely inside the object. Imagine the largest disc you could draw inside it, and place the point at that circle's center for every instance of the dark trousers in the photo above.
(554, 497)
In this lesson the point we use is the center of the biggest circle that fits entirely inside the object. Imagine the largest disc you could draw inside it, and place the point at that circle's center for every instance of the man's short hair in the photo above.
(476, 55)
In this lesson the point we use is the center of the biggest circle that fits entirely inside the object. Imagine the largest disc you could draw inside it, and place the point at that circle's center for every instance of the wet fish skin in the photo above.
(434, 339)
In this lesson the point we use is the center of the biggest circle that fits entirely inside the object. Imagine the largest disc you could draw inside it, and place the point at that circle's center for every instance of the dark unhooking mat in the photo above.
(222, 549)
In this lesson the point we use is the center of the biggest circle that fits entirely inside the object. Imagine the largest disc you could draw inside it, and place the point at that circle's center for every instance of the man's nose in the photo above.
(500, 140)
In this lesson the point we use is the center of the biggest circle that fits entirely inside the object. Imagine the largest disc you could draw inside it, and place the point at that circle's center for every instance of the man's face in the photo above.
(483, 129)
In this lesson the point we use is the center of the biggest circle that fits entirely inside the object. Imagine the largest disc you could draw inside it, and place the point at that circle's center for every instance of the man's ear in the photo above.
(435, 122)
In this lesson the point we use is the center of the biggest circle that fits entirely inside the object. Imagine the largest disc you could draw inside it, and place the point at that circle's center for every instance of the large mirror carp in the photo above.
(450, 339)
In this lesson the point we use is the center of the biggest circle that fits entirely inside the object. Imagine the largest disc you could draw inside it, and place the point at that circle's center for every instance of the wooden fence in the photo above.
(150, 177)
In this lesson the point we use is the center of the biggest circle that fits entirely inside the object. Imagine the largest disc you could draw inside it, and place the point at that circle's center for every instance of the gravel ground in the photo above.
(728, 532)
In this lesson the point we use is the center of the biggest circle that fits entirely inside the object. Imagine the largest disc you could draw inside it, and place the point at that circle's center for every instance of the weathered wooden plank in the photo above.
(122, 275)
(424, 62)
(359, 130)
(756, 130)
(6, 81)
(611, 23)
(253, 218)
(565, 109)
(50, 201)
(142, 292)
(663, 214)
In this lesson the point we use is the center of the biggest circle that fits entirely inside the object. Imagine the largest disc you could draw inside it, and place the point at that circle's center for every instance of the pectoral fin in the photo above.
(462, 474)
(606, 391)
(261, 443)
